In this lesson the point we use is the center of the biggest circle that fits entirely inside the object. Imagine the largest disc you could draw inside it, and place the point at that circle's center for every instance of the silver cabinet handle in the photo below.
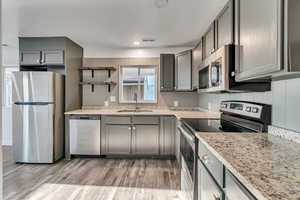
(204, 158)
(133, 128)
(129, 127)
(216, 197)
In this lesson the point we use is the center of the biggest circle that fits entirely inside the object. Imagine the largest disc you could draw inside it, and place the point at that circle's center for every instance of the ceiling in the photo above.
(116, 24)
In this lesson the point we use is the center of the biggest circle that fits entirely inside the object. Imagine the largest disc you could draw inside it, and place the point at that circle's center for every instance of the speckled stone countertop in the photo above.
(154, 112)
(267, 165)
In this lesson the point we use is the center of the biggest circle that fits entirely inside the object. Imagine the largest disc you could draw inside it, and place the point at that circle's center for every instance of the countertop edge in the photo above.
(241, 178)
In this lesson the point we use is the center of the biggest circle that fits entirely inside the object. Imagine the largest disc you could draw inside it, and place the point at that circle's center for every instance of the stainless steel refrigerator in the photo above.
(38, 118)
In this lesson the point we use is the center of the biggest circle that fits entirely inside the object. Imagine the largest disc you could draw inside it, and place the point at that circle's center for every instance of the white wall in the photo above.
(284, 98)
(10, 33)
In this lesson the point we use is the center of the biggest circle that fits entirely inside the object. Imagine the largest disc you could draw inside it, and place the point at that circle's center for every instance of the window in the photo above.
(138, 81)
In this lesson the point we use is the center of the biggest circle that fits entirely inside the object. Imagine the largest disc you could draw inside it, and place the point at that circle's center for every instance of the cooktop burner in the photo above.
(203, 125)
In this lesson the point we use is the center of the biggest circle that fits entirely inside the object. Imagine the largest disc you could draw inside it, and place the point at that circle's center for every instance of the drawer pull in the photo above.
(204, 158)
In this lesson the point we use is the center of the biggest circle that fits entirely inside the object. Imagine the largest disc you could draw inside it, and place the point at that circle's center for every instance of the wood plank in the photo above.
(95, 178)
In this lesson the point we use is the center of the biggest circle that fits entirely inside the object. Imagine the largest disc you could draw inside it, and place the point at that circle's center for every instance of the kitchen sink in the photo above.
(134, 110)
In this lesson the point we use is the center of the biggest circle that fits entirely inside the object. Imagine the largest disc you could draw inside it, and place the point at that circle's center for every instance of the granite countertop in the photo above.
(164, 111)
(267, 165)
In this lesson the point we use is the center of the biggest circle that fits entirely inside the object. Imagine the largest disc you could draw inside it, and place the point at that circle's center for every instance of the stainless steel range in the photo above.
(237, 116)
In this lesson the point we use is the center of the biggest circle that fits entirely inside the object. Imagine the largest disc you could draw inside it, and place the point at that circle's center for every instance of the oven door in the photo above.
(235, 124)
(188, 162)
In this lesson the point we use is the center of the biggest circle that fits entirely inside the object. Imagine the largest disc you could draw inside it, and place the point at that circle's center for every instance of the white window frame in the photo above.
(121, 100)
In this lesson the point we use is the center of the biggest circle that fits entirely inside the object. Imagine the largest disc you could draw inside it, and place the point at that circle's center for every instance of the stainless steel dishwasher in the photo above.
(85, 134)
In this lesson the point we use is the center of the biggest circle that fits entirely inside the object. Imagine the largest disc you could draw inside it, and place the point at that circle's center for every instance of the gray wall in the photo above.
(284, 97)
(101, 94)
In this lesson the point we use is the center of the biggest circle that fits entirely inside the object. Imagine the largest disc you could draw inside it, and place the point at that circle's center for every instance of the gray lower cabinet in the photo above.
(207, 187)
(145, 140)
(117, 139)
(138, 135)
(259, 37)
(167, 135)
(234, 190)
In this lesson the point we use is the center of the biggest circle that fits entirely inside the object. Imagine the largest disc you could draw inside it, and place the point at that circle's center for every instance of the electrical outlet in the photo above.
(175, 103)
(112, 98)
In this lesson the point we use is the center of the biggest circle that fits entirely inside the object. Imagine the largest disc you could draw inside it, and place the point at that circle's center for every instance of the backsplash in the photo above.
(284, 98)
(101, 94)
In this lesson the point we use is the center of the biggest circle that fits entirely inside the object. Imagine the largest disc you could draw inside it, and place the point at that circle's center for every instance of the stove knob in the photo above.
(248, 109)
(255, 110)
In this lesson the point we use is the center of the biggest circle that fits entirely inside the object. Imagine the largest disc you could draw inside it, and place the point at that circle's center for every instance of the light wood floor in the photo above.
(89, 179)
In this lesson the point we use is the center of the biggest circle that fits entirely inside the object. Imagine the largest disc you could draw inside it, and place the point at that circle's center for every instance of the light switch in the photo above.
(175, 103)
(112, 98)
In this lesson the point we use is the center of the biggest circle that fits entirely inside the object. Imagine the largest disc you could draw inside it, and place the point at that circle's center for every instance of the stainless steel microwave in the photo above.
(217, 74)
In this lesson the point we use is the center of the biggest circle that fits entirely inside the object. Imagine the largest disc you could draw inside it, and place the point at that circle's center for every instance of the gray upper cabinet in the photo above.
(224, 26)
(183, 71)
(30, 58)
(258, 37)
(209, 41)
(53, 57)
(146, 139)
(167, 70)
(117, 140)
(197, 61)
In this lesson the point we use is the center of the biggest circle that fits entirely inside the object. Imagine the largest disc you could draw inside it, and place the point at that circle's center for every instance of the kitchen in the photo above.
(181, 100)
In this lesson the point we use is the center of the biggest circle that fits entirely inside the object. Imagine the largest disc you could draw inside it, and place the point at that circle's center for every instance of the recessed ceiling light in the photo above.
(161, 3)
(136, 43)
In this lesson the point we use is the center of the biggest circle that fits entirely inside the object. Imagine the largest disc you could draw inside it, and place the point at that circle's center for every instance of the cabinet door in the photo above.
(258, 34)
(234, 190)
(183, 71)
(167, 135)
(209, 41)
(146, 139)
(207, 188)
(177, 146)
(224, 25)
(167, 70)
(30, 58)
(53, 57)
(117, 139)
(197, 61)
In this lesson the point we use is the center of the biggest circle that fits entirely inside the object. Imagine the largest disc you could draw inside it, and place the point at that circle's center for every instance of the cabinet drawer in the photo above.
(116, 120)
(211, 162)
(234, 189)
(145, 120)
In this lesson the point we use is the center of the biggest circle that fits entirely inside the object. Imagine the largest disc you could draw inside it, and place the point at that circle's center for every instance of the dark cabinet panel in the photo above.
(224, 26)
(167, 70)
(52, 57)
(258, 33)
(183, 71)
(30, 58)
(209, 41)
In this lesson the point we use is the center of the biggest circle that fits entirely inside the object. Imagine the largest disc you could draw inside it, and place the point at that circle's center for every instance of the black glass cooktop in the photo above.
(203, 125)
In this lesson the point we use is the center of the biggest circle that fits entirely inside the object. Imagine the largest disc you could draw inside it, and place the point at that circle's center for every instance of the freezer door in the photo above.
(33, 133)
(33, 87)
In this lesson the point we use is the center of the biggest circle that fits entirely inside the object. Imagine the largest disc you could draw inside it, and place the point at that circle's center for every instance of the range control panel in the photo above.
(242, 108)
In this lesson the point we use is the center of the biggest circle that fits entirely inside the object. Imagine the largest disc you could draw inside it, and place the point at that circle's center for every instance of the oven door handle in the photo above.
(188, 137)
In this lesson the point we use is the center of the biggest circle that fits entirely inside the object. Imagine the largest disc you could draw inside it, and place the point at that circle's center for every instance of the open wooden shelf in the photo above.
(97, 68)
(93, 83)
